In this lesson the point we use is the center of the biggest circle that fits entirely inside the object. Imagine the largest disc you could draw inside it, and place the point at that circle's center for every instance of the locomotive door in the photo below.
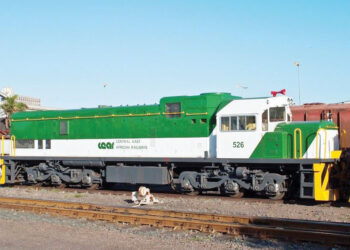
(238, 136)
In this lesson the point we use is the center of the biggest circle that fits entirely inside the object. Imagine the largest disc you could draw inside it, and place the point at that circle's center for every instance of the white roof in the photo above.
(254, 105)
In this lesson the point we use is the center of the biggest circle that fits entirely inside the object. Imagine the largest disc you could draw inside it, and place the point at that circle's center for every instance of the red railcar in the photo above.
(339, 113)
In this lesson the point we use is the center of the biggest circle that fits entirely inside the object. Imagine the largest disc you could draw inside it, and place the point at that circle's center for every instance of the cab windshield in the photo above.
(277, 114)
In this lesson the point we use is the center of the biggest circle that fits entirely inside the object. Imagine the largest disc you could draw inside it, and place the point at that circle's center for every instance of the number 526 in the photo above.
(238, 144)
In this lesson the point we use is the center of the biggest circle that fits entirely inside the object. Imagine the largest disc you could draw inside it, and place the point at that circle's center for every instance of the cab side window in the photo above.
(23, 143)
(264, 119)
(238, 123)
(250, 123)
(242, 123)
(234, 123)
(225, 121)
(40, 144)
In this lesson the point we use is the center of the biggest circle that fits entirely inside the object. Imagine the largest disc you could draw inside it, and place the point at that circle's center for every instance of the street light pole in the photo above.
(297, 64)
(104, 95)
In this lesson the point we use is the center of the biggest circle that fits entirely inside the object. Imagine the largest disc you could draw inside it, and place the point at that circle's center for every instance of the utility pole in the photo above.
(297, 64)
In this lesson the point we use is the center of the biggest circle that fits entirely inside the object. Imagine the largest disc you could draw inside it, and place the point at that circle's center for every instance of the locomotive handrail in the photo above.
(104, 116)
(300, 143)
(173, 113)
(205, 113)
(13, 146)
(2, 167)
(325, 142)
(81, 117)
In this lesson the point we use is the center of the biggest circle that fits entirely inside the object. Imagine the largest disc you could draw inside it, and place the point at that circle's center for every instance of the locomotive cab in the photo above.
(243, 123)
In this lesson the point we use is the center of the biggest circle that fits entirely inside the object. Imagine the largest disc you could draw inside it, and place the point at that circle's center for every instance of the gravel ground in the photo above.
(194, 204)
(23, 230)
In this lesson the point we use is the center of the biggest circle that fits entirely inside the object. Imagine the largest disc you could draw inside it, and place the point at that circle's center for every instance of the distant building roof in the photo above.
(32, 102)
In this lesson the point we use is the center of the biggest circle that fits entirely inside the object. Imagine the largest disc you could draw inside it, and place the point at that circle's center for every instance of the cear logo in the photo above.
(106, 145)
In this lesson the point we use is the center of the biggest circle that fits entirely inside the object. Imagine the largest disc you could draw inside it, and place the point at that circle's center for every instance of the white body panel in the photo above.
(328, 141)
(246, 141)
(158, 147)
(7, 147)
(213, 143)
(171, 147)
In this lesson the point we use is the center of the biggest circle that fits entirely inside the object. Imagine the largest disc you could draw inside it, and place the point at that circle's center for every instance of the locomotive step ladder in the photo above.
(306, 181)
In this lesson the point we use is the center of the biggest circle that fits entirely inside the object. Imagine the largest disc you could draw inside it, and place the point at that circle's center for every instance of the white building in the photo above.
(32, 102)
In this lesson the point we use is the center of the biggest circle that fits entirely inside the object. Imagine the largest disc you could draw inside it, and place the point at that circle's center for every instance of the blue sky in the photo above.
(64, 51)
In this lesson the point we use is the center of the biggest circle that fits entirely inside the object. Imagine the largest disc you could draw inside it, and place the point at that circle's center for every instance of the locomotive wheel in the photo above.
(62, 185)
(239, 194)
(174, 187)
(40, 184)
(177, 188)
(277, 196)
(93, 186)
(193, 193)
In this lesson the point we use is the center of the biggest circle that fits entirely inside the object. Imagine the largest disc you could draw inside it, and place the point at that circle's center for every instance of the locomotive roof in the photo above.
(196, 103)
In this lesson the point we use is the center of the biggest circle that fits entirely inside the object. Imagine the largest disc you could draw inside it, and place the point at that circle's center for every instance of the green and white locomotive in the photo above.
(213, 141)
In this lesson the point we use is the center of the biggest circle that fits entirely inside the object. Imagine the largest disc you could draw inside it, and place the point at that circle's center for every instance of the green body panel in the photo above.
(272, 145)
(280, 143)
(197, 119)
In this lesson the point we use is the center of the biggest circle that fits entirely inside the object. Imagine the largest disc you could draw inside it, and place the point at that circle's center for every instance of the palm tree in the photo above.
(11, 106)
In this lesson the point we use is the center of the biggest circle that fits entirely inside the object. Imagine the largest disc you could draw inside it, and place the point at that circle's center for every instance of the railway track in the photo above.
(294, 230)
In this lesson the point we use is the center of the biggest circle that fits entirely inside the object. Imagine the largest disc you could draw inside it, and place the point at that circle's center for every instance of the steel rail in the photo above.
(321, 232)
(298, 224)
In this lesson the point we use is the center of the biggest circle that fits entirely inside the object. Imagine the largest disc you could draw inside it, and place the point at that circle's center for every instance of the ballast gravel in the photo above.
(24, 230)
